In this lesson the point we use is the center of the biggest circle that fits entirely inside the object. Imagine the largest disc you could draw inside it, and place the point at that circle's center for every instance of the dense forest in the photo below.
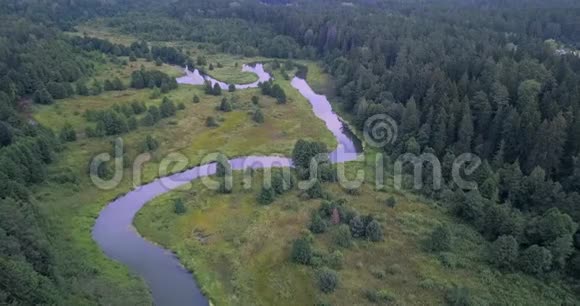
(478, 78)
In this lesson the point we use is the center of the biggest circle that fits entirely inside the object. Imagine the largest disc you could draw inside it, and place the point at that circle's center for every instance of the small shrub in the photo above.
(327, 280)
(211, 122)
(318, 225)
(379, 296)
(316, 262)
(335, 260)
(394, 269)
(427, 284)
(374, 231)
(342, 236)
(353, 191)
(504, 252)
(195, 99)
(378, 273)
(266, 196)
(178, 207)
(391, 202)
(258, 116)
(535, 260)
(149, 144)
(226, 105)
(315, 192)
(255, 100)
(459, 296)
(449, 260)
(156, 93)
(65, 176)
(67, 133)
(302, 251)
(357, 227)
(440, 239)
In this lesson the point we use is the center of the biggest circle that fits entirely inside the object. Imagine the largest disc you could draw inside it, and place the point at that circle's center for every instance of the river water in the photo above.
(170, 283)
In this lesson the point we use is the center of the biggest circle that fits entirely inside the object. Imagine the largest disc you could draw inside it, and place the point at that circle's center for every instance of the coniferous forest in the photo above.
(494, 78)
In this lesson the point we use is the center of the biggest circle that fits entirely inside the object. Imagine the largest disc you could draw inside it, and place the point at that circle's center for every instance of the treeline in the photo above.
(36, 60)
(27, 263)
(121, 119)
(138, 49)
(151, 79)
(462, 80)
(230, 34)
(273, 90)
(487, 85)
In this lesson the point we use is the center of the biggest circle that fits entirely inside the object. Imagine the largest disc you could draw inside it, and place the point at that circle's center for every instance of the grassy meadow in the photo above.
(72, 204)
(239, 250)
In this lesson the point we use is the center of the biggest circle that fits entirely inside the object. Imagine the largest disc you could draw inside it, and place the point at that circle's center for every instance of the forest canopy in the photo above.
(475, 77)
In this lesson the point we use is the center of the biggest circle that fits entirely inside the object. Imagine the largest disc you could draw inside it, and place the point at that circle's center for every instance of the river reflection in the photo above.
(169, 282)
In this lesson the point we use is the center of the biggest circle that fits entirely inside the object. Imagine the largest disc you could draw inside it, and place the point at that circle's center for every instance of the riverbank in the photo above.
(72, 206)
(240, 250)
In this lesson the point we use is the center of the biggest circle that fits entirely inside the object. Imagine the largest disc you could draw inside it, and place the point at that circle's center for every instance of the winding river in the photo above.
(170, 283)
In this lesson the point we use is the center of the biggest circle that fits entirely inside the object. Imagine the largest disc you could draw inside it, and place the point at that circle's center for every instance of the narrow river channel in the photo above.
(170, 283)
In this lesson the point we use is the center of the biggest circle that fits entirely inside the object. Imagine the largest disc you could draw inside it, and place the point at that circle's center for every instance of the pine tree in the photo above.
(374, 231)
(167, 108)
(154, 112)
(482, 108)
(505, 252)
(302, 251)
(411, 118)
(42, 96)
(465, 132)
(118, 84)
(267, 196)
(357, 227)
(178, 207)
(317, 225)
(440, 240)
(439, 133)
(500, 97)
(258, 116)
(535, 260)
(216, 90)
(225, 105)
(148, 120)
(6, 134)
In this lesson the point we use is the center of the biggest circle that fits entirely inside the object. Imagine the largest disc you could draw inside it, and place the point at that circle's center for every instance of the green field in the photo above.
(239, 250)
(72, 207)
(231, 65)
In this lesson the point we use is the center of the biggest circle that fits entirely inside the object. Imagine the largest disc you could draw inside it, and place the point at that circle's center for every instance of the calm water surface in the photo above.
(170, 283)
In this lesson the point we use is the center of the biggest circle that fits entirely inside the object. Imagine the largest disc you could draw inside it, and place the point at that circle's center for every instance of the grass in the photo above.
(72, 207)
(98, 30)
(230, 72)
(239, 250)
